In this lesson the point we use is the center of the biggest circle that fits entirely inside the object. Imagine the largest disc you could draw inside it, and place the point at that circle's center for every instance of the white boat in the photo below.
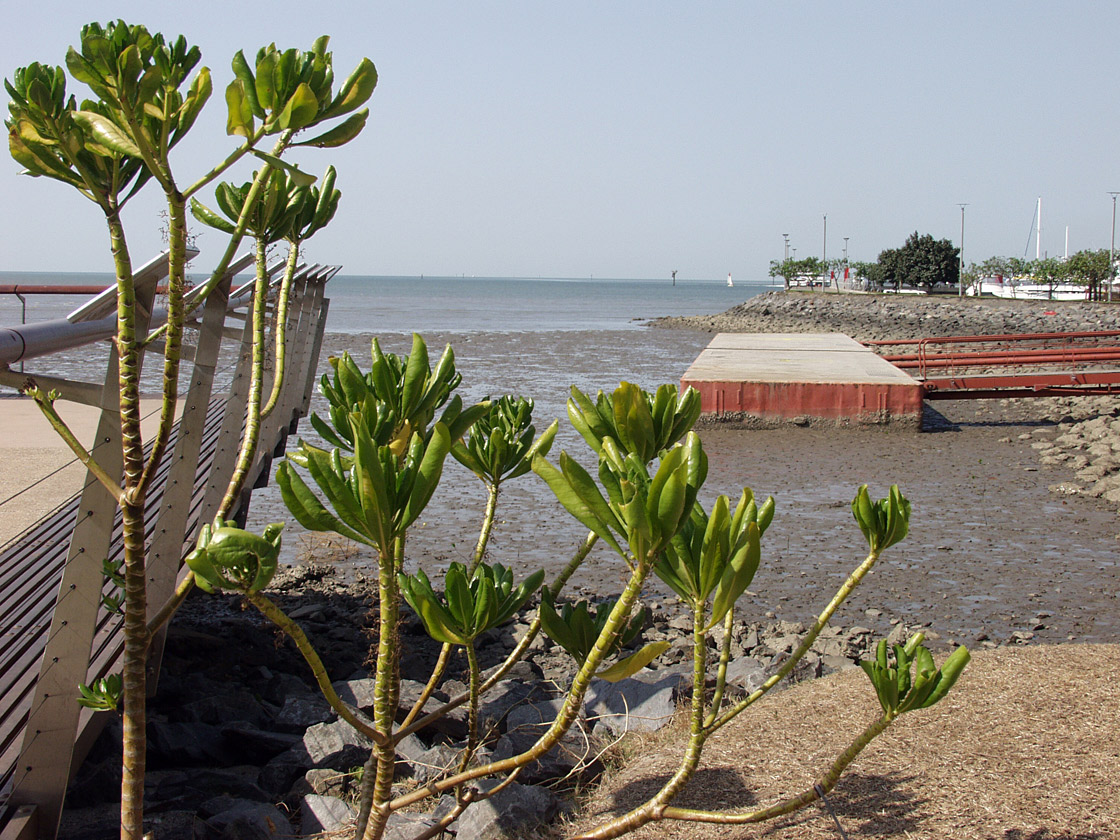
(1010, 288)
(729, 283)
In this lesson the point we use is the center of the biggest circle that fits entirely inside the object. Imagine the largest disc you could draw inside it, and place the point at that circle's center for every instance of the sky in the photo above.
(637, 137)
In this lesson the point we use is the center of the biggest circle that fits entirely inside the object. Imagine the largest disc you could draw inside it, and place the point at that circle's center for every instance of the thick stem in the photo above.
(134, 673)
(282, 328)
(487, 527)
(70, 439)
(256, 379)
(472, 708)
(172, 353)
(376, 800)
(294, 632)
(822, 786)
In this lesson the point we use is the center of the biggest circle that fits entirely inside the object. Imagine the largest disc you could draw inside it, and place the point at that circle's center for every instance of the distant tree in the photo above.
(1049, 271)
(792, 271)
(922, 262)
(1090, 268)
(871, 273)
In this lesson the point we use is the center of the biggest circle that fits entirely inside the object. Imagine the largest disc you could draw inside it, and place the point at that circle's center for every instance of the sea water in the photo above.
(532, 337)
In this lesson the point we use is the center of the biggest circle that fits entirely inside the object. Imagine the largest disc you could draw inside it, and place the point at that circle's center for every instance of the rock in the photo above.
(302, 711)
(250, 821)
(509, 815)
(186, 745)
(746, 673)
(407, 826)
(278, 776)
(323, 813)
(631, 704)
(256, 745)
(336, 745)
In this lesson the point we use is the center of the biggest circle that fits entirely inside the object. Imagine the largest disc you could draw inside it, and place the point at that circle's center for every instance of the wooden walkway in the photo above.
(54, 630)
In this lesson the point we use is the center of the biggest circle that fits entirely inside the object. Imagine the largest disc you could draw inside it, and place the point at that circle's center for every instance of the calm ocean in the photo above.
(529, 337)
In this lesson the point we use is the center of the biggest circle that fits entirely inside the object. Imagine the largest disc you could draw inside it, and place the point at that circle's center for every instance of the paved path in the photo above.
(38, 472)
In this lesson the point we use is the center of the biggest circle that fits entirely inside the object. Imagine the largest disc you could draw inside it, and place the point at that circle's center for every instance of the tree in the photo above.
(870, 273)
(1049, 271)
(922, 262)
(792, 271)
(1090, 268)
(110, 147)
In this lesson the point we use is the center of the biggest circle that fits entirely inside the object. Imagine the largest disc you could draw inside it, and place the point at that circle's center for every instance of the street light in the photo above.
(960, 271)
(1112, 247)
(785, 236)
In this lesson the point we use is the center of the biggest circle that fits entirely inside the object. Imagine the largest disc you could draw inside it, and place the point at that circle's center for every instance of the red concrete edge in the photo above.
(829, 400)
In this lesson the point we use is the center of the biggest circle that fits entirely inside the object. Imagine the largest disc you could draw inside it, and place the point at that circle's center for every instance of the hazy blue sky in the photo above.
(628, 139)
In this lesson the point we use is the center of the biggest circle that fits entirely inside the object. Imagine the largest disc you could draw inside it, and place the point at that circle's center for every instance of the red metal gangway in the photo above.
(1035, 364)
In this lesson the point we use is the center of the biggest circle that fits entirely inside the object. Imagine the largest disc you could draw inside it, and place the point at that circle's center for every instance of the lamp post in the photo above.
(824, 252)
(1112, 247)
(785, 236)
(960, 271)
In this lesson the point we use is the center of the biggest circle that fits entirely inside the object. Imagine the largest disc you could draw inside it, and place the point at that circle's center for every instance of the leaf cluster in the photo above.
(399, 396)
(885, 522)
(286, 208)
(900, 692)
(578, 627)
(289, 90)
(499, 446)
(229, 557)
(472, 604)
(717, 554)
(639, 422)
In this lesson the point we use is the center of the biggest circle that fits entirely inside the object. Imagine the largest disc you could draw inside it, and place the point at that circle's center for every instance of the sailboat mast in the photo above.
(1038, 231)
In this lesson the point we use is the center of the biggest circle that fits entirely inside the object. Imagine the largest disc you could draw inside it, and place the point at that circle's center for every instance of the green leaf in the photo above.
(633, 663)
(105, 132)
(341, 134)
(209, 218)
(298, 176)
(572, 502)
(240, 110)
(300, 109)
(355, 91)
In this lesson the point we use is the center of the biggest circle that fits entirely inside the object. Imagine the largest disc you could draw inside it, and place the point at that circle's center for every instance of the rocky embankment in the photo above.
(242, 744)
(877, 317)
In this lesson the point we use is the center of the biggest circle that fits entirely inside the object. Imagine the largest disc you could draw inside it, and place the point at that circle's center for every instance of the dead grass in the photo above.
(1026, 747)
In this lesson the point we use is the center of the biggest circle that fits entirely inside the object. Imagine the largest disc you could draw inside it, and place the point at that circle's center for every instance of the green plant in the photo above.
(646, 511)
(108, 148)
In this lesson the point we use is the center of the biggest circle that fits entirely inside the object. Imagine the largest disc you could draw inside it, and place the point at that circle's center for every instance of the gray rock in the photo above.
(278, 776)
(632, 705)
(509, 815)
(406, 826)
(302, 711)
(337, 745)
(187, 745)
(256, 745)
(323, 813)
(746, 673)
(250, 821)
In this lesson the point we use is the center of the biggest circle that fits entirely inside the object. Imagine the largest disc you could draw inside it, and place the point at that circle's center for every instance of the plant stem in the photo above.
(282, 328)
(472, 709)
(568, 712)
(253, 401)
(487, 526)
(822, 620)
(823, 785)
(721, 671)
(375, 798)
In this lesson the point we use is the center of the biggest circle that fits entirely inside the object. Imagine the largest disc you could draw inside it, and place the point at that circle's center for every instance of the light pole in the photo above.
(824, 252)
(1112, 247)
(960, 271)
(785, 236)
